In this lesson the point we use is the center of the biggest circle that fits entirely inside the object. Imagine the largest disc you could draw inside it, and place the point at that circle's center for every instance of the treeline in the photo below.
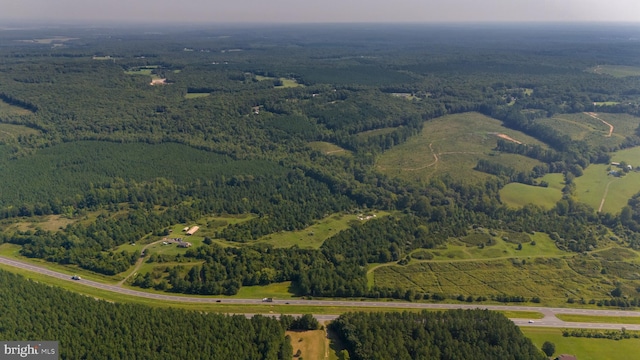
(453, 334)
(94, 329)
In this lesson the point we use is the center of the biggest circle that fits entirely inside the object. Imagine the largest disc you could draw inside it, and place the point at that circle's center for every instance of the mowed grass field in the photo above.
(584, 348)
(286, 83)
(517, 195)
(453, 145)
(616, 70)
(596, 183)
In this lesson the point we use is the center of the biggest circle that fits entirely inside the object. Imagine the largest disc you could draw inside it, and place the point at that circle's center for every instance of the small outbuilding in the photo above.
(184, 244)
(566, 357)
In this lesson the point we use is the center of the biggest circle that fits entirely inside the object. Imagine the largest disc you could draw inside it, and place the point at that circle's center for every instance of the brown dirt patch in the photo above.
(508, 138)
(312, 344)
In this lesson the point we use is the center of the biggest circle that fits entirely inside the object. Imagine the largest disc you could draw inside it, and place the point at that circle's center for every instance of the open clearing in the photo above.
(584, 348)
(453, 144)
(10, 132)
(313, 344)
(8, 109)
(313, 236)
(517, 195)
(599, 319)
(329, 148)
(597, 129)
(286, 83)
(616, 70)
(196, 95)
(596, 182)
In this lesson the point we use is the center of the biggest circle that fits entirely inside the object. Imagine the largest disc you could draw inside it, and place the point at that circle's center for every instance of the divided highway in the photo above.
(549, 320)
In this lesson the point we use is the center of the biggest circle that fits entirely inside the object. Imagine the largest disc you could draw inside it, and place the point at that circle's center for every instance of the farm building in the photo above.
(184, 244)
(193, 230)
(186, 229)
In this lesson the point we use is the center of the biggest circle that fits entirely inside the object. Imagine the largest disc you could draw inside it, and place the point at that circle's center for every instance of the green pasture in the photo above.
(584, 348)
(606, 103)
(629, 320)
(328, 148)
(452, 145)
(196, 95)
(616, 70)
(313, 236)
(517, 195)
(592, 186)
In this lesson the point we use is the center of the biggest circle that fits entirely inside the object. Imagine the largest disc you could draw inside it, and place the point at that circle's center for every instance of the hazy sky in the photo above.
(298, 11)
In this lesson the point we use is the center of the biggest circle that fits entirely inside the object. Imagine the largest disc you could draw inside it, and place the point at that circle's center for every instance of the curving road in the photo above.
(549, 320)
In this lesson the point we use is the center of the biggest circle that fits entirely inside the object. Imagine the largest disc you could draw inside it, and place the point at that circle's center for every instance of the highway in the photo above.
(549, 320)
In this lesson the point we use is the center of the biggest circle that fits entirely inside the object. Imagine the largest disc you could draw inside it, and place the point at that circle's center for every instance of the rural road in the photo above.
(549, 320)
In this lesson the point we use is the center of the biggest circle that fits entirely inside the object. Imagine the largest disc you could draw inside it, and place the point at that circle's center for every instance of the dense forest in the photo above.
(93, 329)
(455, 334)
(125, 134)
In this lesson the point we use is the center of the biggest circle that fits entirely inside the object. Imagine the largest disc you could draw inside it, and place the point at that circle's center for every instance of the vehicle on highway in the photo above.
(76, 277)
(531, 321)
(267, 300)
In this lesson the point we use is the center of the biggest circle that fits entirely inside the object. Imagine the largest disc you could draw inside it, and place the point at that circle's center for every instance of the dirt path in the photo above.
(138, 262)
(604, 197)
(595, 116)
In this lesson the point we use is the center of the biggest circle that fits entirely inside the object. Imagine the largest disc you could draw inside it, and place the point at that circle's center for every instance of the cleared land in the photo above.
(616, 70)
(196, 95)
(453, 145)
(313, 236)
(10, 132)
(596, 182)
(497, 267)
(594, 129)
(517, 195)
(584, 348)
(8, 109)
(599, 319)
(329, 148)
(286, 83)
(313, 345)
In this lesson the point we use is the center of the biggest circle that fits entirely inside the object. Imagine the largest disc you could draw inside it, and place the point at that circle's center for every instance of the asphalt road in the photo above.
(549, 320)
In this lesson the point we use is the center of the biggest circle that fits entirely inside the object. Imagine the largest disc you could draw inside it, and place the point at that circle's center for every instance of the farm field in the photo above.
(616, 70)
(584, 348)
(517, 195)
(453, 145)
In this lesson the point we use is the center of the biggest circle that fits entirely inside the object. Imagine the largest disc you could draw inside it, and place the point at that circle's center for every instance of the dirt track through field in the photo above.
(604, 197)
(595, 116)
(138, 262)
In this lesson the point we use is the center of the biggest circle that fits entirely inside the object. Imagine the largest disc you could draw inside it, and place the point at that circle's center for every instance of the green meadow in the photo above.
(286, 83)
(597, 184)
(313, 236)
(517, 195)
(452, 145)
(195, 95)
(584, 348)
